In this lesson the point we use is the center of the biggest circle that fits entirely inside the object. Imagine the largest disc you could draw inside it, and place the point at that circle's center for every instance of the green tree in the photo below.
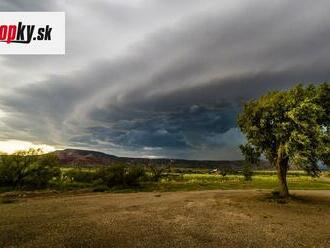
(28, 168)
(290, 127)
(252, 157)
(39, 173)
(156, 170)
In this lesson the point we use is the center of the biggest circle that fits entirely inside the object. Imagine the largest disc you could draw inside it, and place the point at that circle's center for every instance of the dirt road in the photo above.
(232, 218)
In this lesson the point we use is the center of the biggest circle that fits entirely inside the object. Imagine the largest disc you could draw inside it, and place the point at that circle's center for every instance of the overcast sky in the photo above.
(158, 77)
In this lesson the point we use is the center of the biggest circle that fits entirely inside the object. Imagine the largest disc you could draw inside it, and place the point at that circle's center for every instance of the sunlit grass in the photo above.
(211, 181)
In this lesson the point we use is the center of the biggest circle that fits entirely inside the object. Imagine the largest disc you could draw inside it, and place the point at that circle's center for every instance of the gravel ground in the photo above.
(231, 218)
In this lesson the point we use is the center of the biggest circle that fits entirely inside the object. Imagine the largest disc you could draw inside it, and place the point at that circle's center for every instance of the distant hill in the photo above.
(84, 157)
(93, 158)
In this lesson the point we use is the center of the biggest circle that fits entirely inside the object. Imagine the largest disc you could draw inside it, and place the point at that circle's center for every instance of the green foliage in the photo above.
(100, 188)
(252, 157)
(112, 175)
(250, 153)
(80, 175)
(158, 171)
(28, 169)
(38, 175)
(290, 126)
(133, 176)
(121, 175)
(224, 171)
(247, 172)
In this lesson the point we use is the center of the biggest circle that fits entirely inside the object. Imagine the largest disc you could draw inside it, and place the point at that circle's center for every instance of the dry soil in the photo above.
(231, 218)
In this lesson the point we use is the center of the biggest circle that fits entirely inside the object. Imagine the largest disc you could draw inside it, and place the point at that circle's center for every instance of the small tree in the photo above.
(247, 172)
(223, 172)
(113, 175)
(28, 169)
(290, 126)
(252, 157)
(158, 170)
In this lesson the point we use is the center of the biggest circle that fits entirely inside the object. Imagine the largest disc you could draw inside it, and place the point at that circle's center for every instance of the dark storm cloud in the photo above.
(176, 91)
(29, 5)
(178, 128)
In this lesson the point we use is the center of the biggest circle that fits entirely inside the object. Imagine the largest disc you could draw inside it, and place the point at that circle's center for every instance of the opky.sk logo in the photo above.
(21, 33)
(32, 33)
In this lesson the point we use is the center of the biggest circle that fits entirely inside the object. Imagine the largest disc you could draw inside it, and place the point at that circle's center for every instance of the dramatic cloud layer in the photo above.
(158, 77)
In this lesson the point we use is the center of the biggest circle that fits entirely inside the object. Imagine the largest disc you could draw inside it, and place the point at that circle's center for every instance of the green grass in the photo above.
(188, 182)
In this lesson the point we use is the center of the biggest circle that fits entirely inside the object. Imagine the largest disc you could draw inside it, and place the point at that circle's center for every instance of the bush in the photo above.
(28, 169)
(38, 176)
(134, 175)
(78, 175)
(157, 171)
(226, 171)
(100, 188)
(247, 172)
(112, 175)
(223, 172)
(121, 175)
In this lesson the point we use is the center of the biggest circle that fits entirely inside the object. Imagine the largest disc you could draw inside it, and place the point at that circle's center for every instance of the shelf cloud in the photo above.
(160, 78)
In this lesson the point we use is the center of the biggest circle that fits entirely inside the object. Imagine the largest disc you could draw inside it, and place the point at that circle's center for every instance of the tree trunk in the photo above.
(282, 168)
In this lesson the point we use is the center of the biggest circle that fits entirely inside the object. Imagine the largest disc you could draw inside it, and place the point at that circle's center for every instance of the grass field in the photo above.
(262, 180)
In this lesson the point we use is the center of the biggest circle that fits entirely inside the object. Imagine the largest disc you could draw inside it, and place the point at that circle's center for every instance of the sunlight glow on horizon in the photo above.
(11, 146)
(2, 113)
